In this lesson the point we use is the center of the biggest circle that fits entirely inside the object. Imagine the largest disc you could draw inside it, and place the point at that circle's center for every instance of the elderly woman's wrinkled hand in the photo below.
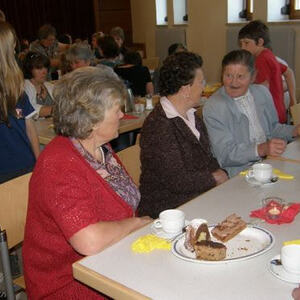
(296, 293)
(273, 147)
(220, 176)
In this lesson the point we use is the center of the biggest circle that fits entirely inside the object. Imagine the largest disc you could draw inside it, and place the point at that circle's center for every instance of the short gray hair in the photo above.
(81, 99)
(79, 51)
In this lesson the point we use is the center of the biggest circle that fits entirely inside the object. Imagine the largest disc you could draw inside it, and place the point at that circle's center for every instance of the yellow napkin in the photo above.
(277, 172)
(297, 242)
(148, 243)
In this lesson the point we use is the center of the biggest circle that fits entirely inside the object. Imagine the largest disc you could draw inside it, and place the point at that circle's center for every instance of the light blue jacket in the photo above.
(228, 128)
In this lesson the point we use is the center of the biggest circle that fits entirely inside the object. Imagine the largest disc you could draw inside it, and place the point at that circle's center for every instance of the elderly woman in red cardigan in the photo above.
(81, 199)
(177, 163)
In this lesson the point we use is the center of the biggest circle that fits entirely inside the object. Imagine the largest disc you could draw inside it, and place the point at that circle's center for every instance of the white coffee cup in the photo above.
(290, 258)
(261, 172)
(171, 221)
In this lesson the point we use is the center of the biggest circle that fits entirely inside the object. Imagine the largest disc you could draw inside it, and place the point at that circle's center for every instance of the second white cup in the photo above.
(290, 258)
(262, 172)
(171, 221)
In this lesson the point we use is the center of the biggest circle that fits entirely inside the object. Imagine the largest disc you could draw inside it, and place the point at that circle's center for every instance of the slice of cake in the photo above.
(196, 234)
(229, 228)
(209, 250)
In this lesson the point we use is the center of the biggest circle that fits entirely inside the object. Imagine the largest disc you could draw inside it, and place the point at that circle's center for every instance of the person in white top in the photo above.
(39, 91)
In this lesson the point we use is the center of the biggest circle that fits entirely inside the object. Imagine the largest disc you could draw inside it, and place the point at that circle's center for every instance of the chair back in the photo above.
(295, 112)
(13, 201)
(130, 157)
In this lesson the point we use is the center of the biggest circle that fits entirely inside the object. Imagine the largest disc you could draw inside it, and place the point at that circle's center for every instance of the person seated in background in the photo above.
(64, 42)
(173, 48)
(119, 36)
(94, 45)
(24, 49)
(79, 55)
(46, 44)
(88, 201)
(38, 90)
(19, 146)
(109, 49)
(136, 74)
(176, 47)
(241, 119)
(176, 161)
(255, 38)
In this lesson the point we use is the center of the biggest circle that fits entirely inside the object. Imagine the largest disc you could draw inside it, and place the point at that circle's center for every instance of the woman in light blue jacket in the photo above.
(241, 118)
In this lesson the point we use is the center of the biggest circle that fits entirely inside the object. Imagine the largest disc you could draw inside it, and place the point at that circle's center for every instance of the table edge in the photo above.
(104, 284)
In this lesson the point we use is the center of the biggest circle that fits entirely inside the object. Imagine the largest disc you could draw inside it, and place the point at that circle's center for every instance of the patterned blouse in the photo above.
(114, 174)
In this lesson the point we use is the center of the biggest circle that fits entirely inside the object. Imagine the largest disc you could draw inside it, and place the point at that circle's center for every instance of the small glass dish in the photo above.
(273, 207)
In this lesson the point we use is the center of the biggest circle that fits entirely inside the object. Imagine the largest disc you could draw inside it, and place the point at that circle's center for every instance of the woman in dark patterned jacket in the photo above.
(177, 163)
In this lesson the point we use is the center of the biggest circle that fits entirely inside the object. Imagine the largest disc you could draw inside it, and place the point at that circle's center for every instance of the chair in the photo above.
(130, 157)
(295, 112)
(14, 200)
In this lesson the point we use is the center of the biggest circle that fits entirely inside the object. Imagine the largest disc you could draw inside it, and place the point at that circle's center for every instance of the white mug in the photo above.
(171, 221)
(261, 172)
(290, 258)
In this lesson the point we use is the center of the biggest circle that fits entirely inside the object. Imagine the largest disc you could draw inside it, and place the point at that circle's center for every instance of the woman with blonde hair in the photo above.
(19, 145)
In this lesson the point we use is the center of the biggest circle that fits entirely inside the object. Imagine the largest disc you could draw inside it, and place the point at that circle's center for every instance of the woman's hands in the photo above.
(220, 176)
(273, 147)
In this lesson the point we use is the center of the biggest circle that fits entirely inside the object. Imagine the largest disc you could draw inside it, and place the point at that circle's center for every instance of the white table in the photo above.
(122, 274)
(293, 150)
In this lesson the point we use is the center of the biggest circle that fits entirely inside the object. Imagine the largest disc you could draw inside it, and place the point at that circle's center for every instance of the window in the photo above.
(282, 10)
(180, 12)
(239, 10)
(161, 12)
(277, 10)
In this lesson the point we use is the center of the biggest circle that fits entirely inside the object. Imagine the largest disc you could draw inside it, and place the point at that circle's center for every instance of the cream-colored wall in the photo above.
(206, 31)
(206, 34)
(143, 24)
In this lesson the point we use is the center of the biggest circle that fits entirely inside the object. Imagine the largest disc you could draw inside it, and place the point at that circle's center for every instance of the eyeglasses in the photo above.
(237, 77)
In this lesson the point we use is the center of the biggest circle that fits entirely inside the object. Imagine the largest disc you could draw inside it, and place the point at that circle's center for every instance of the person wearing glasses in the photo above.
(241, 118)
(39, 91)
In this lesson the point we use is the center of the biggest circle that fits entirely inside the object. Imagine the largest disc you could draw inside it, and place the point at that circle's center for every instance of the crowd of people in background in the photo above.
(192, 156)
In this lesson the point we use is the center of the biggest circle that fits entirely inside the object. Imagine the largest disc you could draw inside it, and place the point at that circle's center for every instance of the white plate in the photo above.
(251, 242)
(281, 273)
(252, 181)
(165, 235)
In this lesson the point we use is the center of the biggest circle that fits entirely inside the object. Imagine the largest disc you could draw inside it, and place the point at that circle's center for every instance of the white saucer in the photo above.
(252, 181)
(165, 235)
(281, 273)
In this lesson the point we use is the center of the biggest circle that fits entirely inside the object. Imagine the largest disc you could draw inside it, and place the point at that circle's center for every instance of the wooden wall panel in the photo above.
(109, 14)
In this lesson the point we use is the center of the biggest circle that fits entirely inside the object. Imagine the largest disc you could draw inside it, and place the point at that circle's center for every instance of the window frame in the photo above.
(294, 13)
(249, 13)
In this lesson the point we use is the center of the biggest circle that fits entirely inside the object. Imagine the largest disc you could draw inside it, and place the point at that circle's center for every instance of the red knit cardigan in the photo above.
(65, 195)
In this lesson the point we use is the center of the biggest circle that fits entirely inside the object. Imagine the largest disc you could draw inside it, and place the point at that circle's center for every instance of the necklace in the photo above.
(101, 152)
